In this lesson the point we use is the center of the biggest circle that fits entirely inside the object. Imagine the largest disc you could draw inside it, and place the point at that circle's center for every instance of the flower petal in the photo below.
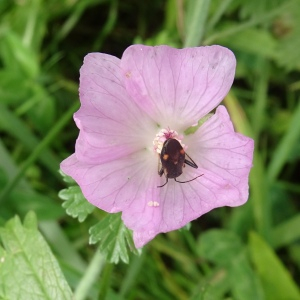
(224, 159)
(127, 184)
(111, 125)
(115, 185)
(217, 148)
(130, 184)
(178, 86)
(179, 204)
(122, 102)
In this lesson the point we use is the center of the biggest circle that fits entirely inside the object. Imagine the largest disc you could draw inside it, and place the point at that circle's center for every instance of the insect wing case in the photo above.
(172, 158)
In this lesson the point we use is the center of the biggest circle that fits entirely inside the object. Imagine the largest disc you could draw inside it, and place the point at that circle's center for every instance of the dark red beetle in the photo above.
(173, 159)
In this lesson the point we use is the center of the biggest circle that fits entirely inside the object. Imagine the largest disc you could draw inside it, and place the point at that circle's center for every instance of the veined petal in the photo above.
(179, 204)
(224, 159)
(111, 124)
(153, 90)
(217, 148)
(119, 185)
(178, 87)
(129, 184)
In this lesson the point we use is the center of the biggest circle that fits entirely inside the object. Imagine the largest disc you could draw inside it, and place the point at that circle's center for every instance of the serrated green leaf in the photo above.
(75, 203)
(277, 281)
(66, 178)
(28, 269)
(114, 238)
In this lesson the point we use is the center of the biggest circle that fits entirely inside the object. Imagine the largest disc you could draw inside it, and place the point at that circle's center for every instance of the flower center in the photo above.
(162, 136)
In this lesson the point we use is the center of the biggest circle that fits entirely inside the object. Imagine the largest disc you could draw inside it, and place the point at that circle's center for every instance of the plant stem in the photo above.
(105, 281)
(90, 276)
(195, 22)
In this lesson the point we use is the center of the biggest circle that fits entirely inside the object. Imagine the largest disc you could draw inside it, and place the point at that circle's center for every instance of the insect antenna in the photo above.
(187, 180)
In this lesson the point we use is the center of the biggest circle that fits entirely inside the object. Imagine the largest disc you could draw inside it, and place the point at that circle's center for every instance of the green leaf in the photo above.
(66, 178)
(215, 287)
(287, 232)
(268, 44)
(225, 248)
(255, 8)
(15, 127)
(287, 28)
(114, 238)
(40, 108)
(284, 149)
(24, 200)
(17, 55)
(277, 281)
(197, 12)
(247, 287)
(28, 269)
(193, 129)
(186, 227)
(219, 246)
(14, 87)
(75, 203)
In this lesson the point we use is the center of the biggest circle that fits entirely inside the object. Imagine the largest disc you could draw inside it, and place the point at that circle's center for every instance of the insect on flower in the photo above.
(137, 109)
(173, 159)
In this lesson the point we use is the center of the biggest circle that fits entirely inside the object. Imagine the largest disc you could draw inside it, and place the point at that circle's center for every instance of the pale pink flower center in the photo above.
(163, 135)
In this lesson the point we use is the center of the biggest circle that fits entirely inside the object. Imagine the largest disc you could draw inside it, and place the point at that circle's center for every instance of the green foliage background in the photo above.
(249, 252)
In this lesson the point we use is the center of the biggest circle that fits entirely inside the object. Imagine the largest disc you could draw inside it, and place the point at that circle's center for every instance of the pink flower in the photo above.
(129, 107)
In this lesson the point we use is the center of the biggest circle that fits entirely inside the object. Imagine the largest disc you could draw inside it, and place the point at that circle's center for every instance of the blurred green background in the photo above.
(249, 252)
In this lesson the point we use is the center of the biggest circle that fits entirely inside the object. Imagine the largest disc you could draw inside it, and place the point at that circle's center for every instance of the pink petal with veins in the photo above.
(178, 86)
(125, 103)
(224, 158)
(111, 124)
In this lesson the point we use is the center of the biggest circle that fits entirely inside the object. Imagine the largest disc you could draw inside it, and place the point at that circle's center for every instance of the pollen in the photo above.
(153, 203)
(162, 136)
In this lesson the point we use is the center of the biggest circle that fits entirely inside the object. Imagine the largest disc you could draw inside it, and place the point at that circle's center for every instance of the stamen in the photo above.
(162, 136)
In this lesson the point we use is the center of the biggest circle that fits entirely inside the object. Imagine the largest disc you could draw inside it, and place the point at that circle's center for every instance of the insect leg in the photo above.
(164, 183)
(161, 172)
(190, 163)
